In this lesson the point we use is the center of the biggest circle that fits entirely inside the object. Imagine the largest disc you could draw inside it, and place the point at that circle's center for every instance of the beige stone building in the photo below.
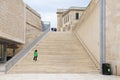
(19, 26)
(66, 18)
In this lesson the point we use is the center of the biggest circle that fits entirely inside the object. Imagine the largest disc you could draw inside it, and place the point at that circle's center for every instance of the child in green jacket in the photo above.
(35, 55)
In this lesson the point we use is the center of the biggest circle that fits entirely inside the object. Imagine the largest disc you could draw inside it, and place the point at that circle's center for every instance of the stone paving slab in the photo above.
(58, 77)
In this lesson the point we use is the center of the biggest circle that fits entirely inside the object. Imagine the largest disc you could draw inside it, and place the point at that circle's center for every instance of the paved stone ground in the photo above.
(57, 77)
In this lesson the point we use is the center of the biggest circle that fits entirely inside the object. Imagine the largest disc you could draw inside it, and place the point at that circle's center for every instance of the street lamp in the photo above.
(102, 33)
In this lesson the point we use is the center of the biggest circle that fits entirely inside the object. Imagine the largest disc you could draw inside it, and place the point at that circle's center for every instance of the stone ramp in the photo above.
(59, 52)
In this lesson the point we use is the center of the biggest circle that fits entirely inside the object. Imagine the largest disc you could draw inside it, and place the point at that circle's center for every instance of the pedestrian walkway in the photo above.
(57, 77)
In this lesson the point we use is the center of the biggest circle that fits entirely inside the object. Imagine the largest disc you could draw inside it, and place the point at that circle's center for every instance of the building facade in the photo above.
(17, 24)
(67, 18)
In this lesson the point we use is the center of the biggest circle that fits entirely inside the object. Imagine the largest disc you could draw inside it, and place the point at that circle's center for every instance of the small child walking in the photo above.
(35, 55)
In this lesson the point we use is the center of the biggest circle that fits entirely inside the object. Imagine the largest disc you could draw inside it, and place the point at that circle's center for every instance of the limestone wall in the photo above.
(33, 24)
(32, 17)
(87, 29)
(12, 22)
(113, 34)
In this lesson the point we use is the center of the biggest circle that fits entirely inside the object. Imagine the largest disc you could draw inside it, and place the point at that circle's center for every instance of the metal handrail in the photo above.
(23, 52)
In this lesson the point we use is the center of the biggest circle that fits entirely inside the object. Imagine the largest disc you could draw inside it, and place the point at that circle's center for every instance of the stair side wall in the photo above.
(113, 34)
(87, 29)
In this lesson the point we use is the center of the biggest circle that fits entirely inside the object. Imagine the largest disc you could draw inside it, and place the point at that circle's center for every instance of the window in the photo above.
(77, 16)
(68, 18)
(64, 20)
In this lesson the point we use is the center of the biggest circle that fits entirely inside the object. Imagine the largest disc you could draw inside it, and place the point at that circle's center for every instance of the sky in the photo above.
(48, 8)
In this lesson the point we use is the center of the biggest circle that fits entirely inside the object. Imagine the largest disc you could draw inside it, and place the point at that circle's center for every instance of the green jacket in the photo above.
(35, 53)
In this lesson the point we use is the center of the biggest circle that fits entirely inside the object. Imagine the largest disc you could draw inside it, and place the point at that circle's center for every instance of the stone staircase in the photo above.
(59, 52)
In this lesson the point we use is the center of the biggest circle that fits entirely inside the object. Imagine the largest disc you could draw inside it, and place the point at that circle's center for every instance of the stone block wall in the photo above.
(12, 20)
(33, 18)
(19, 23)
(33, 24)
(88, 31)
(113, 34)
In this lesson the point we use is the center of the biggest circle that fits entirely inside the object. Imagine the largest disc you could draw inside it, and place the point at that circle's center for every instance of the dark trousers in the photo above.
(35, 58)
